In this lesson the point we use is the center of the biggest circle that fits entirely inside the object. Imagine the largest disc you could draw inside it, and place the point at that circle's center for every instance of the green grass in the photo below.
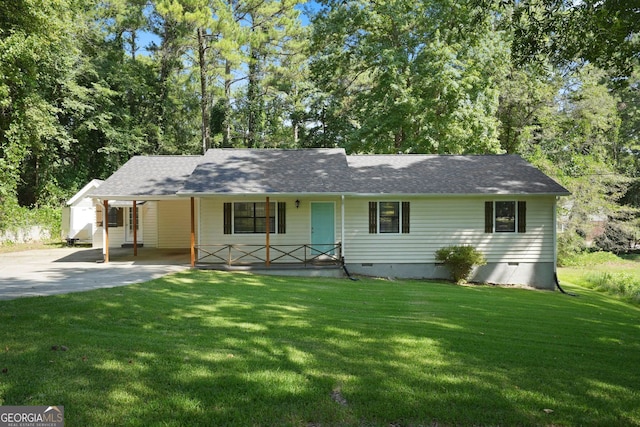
(211, 348)
(8, 247)
(605, 272)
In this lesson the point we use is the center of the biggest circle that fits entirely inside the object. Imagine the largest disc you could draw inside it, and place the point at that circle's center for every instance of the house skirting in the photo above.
(538, 275)
(293, 270)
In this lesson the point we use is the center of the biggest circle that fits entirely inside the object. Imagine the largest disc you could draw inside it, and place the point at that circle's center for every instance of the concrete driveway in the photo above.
(58, 271)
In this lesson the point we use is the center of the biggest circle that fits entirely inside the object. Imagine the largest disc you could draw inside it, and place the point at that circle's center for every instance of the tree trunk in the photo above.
(254, 95)
(399, 139)
(204, 104)
(252, 100)
(295, 122)
(134, 46)
(226, 137)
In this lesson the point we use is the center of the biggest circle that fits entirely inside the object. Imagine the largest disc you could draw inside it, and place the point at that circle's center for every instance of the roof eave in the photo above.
(183, 194)
(137, 197)
(356, 194)
(519, 194)
(85, 191)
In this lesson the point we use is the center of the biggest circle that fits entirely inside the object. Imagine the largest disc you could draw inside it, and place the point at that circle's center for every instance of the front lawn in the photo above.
(211, 348)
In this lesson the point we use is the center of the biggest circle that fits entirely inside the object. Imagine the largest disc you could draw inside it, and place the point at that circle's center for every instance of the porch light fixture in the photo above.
(297, 203)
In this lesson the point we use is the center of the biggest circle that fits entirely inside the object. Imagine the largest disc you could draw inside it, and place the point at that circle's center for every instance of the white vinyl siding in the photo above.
(82, 217)
(149, 213)
(116, 237)
(174, 223)
(298, 223)
(116, 234)
(443, 221)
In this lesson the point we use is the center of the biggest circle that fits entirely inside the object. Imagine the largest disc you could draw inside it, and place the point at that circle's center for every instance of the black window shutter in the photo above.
(120, 217)
(405, 217)
(373, 217)
(282, 217)
(99, 216)
(112, 217)
(227, 218)
(522, 217)
(488, 217)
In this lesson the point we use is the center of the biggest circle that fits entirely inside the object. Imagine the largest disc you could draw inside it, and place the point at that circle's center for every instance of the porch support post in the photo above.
(268, 260)
(342, 236)
(134, 214)
(105, 226)
(193, 233)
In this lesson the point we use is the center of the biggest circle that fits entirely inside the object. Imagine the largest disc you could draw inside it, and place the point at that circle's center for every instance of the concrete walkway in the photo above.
(57, 271)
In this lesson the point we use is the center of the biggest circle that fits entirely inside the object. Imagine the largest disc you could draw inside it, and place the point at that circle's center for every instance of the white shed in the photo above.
(79, 215)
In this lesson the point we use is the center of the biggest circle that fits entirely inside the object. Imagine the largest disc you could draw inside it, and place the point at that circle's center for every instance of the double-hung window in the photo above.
(389, 217)
(389, 214)
(115, 217)
(251, 218)
(505, 216)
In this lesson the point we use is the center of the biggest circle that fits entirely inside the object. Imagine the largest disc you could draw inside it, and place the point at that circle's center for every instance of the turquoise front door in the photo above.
(322, 228)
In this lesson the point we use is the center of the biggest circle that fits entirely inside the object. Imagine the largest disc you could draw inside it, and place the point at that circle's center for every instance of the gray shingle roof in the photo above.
(148, 176)
(316, 171)
(437, 174)
(239, 171)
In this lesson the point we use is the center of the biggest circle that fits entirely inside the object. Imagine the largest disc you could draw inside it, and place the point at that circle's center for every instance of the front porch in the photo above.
(269, 246)
(282, 260)
(246, 254)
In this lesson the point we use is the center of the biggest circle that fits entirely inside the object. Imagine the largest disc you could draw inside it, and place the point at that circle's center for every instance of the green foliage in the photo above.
(589, 259)
(604, 33)
(14, 217)
(37, 51)
(526, 94)
(460, 260)
(573, 135)
(629, 109)
(621, 284)
(570, 245)
(606, 272)
(397, 80)
(617, 236)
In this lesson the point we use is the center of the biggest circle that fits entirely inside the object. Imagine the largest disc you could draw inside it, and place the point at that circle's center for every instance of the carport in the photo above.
(143, 192)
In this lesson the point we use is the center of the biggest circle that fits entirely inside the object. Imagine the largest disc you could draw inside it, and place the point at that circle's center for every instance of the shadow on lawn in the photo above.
(221, 349)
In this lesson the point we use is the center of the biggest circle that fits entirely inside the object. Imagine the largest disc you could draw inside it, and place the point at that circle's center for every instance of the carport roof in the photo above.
(148, 177)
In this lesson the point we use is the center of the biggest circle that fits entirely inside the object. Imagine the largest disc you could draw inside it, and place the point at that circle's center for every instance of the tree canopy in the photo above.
(86, 84)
